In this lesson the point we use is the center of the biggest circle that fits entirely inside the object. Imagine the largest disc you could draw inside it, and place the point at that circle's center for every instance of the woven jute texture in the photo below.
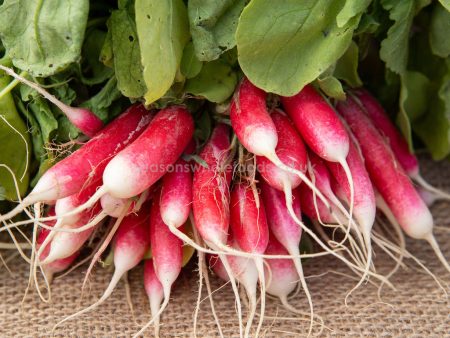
(417, 308)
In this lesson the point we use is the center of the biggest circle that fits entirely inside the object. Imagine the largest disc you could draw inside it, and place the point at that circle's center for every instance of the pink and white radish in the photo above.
(137, 167)
(251, 232)
(82, 118)
(283, 273)
(211, 199)
(286, 230)
(131, 243)
(396, 141)
(321, 128)
(68, 176)
(56, 266)
(364, 206)
(390, 179)
(167, 256)
(258, 133)
(154, 291)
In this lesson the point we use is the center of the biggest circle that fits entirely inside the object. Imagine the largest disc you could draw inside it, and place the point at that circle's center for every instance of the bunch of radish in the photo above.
(244, 199)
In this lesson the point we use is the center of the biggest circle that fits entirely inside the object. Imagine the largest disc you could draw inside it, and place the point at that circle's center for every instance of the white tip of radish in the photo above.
(112, 206)
(172, 216)
(46, 188)
(420, 224)
(119, 178)
(262, 142)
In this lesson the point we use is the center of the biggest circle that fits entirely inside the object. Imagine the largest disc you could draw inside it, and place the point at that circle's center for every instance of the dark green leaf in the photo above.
(394, 49)
(213, 26)
(284, 47)
(43, 37)
(127, 54)
(93, 70)
(101, 102)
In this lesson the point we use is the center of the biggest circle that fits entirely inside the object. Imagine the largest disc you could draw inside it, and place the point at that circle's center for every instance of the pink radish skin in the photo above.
(82, 118)
(211, 189)
(321, 128)
(64, 244)
(396, 141)
(318, 124)
(364, 196)
(248, 219)
(216, 265)
(322, 214)
(251, 232)
(211, 198)
(154, 291)
(176, 195)
(291, 151)
(145, 161)
(60, 264)
(167, 256)
(390, 179)
(250, 120)
(132, 241)
(68, 176)
(167, 249)
(280, 222)
(285, 228)
(284, 276)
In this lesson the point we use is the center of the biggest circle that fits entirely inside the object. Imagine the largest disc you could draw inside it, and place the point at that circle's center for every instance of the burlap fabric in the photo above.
(418, 308)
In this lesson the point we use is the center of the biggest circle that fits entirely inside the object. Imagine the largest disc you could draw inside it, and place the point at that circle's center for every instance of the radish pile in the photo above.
(244, 193)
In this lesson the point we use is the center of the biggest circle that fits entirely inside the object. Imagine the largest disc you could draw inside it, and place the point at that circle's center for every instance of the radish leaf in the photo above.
(42, 37)
(163, 31)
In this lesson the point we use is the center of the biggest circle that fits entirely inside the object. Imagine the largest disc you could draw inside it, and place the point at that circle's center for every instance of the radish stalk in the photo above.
(82, 118)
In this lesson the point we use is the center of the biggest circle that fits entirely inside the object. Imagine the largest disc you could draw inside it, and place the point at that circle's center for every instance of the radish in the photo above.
(65, 205)
(284, 275)
(398, 144)
(82, 118)
(321, 128)
(313, 208)
(246, 273)
(167, 256)
(285, 229)
(390, 179)
(364, 206)
(210, 199)
(251, 232)
(56, 266)
(176, 195)
(259, 134)
(144, 161)
(154, 291)
(216, 265)
(68, 176)
(132, 241)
